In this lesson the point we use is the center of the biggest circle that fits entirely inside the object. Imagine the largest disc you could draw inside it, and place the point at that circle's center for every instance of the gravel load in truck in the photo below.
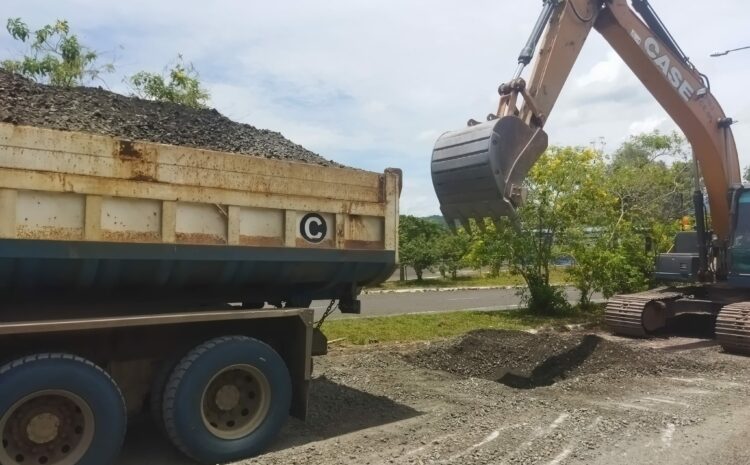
(96, 110)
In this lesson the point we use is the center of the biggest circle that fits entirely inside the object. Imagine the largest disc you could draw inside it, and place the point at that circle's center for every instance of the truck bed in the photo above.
(86, 216)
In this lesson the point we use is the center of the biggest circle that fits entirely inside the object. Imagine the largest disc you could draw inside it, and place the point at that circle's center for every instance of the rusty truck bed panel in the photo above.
(61, 185)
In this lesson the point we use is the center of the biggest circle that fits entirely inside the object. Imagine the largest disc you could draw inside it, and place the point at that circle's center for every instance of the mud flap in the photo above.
(319, 342)
(478, 172)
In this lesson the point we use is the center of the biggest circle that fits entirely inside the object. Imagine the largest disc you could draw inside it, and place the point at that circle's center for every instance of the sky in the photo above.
(372, 84)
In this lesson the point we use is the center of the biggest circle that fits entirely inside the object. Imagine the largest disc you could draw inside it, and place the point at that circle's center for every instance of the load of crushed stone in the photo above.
(525, 360)
(99, 111)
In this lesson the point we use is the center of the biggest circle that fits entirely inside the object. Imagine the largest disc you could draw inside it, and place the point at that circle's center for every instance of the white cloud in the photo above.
(372, 84)
(604, 72)
(647, 124)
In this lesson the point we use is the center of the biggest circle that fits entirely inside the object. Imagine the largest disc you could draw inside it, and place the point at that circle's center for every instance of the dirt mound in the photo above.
(524, 360)
(99, 111)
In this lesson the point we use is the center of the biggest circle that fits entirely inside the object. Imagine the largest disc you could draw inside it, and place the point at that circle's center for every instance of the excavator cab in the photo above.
(478, 171)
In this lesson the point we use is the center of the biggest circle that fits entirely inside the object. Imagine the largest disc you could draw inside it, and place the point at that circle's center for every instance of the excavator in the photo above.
(478, 172)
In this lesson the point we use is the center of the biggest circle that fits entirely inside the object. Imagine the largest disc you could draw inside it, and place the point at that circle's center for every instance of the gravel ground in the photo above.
(598, 399)
(96, 110)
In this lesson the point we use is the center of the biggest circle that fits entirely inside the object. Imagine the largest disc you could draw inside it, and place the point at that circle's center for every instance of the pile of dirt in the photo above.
(99, 111)
(525, 360)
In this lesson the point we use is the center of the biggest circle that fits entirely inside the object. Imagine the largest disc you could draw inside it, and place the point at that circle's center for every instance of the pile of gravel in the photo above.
(99, 111)
(525, 360)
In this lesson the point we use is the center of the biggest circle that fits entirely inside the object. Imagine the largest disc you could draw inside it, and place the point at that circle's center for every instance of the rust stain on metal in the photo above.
(262, 241)
(199, 238)
(366, 245)
(49, 233)
(130, 236)
(143, 178)
(356, 227)
(127, 149)
(324, 244)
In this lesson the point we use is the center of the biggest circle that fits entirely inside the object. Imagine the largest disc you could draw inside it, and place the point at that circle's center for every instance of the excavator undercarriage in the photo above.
(646, 313)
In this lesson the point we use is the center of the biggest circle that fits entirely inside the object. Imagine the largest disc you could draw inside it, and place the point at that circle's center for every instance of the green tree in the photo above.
(55, 56)
(179, 83)
(648, 186)
(451, 251)
(417, 243)
(565, 187)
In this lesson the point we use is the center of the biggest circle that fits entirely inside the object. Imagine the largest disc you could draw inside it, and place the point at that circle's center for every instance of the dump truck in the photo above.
(141, 276)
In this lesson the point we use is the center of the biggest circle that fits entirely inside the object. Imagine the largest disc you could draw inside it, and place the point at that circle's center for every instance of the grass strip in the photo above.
(429, 326)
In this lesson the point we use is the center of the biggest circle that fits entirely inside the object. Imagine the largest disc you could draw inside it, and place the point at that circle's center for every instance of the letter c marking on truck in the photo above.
(313, 228)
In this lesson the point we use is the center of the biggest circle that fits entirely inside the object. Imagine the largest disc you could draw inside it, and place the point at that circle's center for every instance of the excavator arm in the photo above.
(478, 172)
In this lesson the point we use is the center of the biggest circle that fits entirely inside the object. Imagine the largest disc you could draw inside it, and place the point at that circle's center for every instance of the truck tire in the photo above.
(156, 395)
(59, 409)
(227, 399)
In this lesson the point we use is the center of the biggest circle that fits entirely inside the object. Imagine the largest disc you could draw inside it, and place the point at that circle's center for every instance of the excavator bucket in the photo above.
(478, 172)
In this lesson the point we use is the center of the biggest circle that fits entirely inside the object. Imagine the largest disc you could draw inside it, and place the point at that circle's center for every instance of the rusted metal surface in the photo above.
(324, 244)
(49, 233)
(199, 238)
(624, 313)
(261, 241)
(130, 236)
(121, 215)
(364, 245)
(128, 149)
(733, 327)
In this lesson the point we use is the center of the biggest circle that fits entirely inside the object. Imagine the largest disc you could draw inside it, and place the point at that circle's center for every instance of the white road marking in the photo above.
(687, 380)
(569, 449)
(666, 436)
(540, 433)
(431, 442)
(490, 437)
(465, 298)
(633, 407)
(560, 457)
(558, 421)
(666, 401)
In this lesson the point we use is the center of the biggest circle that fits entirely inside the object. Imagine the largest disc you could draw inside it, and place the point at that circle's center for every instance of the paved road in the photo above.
(432, 301)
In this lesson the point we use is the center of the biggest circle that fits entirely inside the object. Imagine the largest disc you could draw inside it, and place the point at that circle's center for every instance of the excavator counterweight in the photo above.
(478, 171)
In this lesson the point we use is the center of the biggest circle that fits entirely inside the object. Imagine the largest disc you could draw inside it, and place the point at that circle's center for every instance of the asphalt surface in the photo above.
(395, 303)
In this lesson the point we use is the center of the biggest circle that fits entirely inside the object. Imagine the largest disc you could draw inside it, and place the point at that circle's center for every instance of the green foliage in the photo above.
(652, 177)
(746, 174)
(610, 216)
(55, 56)
(179, 83)
(417, 243)
(451, 252)
(566, 193)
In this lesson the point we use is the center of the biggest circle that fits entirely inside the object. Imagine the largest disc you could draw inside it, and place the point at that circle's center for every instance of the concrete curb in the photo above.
(443, 289)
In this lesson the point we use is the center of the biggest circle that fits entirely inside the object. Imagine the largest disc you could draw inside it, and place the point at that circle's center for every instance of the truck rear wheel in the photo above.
(227, 399)
(59, 409)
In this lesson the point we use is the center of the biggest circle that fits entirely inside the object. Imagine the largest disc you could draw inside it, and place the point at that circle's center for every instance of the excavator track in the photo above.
(733, 327)
(624, 313)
